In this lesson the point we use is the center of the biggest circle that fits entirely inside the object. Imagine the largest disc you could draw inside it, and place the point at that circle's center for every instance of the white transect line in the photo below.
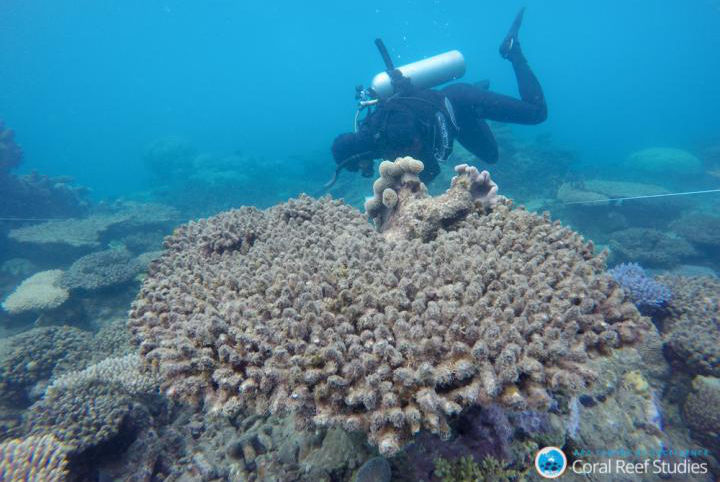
(643, 197)
(35, 219)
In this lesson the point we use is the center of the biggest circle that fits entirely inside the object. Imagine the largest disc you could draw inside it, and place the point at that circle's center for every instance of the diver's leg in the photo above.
(484, 104)
(473, 103)
(528, 85)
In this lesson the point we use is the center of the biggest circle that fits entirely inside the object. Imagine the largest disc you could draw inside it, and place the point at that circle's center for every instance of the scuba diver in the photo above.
(407, 118)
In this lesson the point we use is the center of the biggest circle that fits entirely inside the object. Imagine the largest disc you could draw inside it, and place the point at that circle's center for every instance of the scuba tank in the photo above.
(422, 74)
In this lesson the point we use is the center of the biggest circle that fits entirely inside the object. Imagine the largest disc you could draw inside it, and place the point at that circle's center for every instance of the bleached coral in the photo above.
(37, 458)
(305, 308)
(42, 291)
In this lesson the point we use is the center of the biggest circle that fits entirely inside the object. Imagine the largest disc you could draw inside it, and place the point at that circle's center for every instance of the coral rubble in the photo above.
(304, 308)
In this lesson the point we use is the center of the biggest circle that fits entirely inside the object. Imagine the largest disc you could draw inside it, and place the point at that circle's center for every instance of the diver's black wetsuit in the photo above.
(473, 105)
(407, 123)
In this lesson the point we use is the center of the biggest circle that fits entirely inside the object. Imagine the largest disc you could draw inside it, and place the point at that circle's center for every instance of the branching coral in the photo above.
(305, 308)
(647, 294)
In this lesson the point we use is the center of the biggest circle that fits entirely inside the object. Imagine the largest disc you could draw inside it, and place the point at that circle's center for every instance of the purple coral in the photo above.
(647, 294)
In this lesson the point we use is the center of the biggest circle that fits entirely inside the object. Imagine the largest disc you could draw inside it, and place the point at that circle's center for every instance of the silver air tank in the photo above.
(423, 74)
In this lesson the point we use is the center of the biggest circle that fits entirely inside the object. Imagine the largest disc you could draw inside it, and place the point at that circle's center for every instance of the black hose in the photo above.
(385, 55)
(344, 163)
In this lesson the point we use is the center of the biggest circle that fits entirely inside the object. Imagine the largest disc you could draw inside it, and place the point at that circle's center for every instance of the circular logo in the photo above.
(550, 462)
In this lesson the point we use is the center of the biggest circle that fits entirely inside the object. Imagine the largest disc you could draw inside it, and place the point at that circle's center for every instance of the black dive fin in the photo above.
(511, 37)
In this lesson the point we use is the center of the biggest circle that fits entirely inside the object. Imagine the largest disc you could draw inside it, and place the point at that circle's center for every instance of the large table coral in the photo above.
(306, 308)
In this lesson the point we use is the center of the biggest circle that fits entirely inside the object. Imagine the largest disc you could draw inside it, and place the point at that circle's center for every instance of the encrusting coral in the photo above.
(33, 459)
(305, 308)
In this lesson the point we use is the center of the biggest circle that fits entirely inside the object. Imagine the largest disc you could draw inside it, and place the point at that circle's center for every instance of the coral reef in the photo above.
(102, 269)
(703, 230)
(86, 408)
(81, 418)
(702, 410)
(38, 354)
(649, 247)
(663, 163)
(587, 205)
(599, 191)
(691, 330)
(376, 469)
(18, 267)
(304, 308)
(112, 339)
(466, 469)
(34, 195)
(83, 232)
(123, 371)
(88, 232)
(401, 207)
(647, 294)
(522, 162)
(42, 291)
(33, 459)
(10, 152)
(169, 157)
(144, 241)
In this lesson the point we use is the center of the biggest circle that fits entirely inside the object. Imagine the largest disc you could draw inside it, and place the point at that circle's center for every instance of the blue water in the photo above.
(88, 85)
